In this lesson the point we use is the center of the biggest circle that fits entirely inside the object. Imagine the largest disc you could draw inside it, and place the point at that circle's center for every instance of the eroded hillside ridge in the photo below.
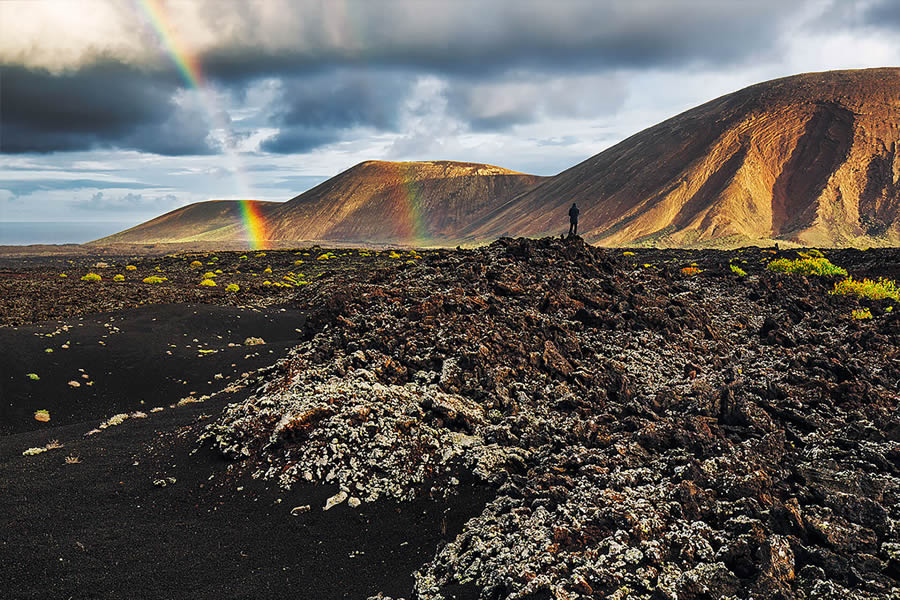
(811, 159)
(649, 434)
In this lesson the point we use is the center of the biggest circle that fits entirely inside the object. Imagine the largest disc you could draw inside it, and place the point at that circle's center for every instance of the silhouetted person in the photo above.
(573, 220)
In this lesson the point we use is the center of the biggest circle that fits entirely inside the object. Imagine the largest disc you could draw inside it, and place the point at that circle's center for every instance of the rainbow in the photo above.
(188, 65)
(414, 230)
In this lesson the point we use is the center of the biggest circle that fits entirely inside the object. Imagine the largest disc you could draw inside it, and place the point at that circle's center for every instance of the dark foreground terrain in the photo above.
(534, 419)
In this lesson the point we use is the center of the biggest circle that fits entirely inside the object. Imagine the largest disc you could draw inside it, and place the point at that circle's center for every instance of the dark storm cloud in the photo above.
(352, 65)
(318, 110)
(476, 38)
(104, 105)
(884, 14)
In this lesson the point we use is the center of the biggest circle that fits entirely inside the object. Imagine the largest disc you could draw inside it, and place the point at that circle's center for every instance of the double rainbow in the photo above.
(188, 65)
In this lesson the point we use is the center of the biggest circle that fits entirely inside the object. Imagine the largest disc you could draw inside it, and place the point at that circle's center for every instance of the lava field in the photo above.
(647, 431)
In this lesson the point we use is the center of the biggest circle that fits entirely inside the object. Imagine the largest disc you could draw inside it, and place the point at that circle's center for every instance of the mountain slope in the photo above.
(188, 223)
(394, 202)
(812, 158)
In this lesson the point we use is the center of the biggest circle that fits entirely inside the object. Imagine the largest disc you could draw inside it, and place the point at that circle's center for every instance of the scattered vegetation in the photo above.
(63, 275)
(154, 279)
(208, 283)
(861, 313)
(196, 264)
(628, 253)
(91, 277)
(805, 265)
(33, 376)
(209, 275)
(118, 277)
(233, 287)
(738, 271)
(867, 288)
(130, 268)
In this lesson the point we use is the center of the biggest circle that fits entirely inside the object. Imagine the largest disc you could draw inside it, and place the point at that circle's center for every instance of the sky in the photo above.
(121, 110)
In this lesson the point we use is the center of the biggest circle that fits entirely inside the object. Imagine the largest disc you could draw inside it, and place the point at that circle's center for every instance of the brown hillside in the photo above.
(396, 202)
(188, 223)
(812, 158)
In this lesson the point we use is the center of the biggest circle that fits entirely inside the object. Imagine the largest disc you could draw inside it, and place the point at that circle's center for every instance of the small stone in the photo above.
(335, 500)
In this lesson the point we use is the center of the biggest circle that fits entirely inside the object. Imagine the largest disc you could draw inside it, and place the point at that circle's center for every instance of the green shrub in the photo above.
(209, 275)
(33, 376)
(861, 313)
(738, 271)
(118, 277)
(815, 253)
(196, 264)
(233, 287)
(154, 279)
(130, 268)
(91, 277)
(208, 283)
(805, 266)
(875, 290)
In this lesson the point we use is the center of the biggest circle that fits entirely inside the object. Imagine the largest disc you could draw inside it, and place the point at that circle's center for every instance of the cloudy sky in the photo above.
(120, 110)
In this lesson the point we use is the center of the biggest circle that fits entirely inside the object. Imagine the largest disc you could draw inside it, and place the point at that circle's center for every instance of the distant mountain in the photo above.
(374, 201)
(812, 158)
(396, 202)
(188, 223)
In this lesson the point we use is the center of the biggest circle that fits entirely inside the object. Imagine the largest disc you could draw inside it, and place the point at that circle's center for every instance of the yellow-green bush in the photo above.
(232, 287)
(209, 275)
(805, 266)
(154, 279)
(738, 271)
(130, 268)
(63, 275)
(118, 277)
(861, 313)
(628, 253)
(91, 277)
(196, 264)
(876, 290)
(208, 283)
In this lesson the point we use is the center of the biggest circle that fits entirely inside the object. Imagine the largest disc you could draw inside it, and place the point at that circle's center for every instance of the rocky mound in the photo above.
(811, 158)
(649, 433)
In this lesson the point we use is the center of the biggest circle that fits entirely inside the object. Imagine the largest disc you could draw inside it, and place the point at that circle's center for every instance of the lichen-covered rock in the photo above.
(648, 434)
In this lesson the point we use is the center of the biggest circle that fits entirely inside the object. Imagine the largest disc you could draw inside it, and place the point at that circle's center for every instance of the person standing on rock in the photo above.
(573, 220)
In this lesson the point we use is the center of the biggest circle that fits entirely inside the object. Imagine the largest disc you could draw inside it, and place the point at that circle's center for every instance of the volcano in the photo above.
(812, 159)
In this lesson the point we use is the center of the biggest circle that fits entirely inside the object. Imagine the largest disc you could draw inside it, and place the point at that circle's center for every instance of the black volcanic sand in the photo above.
(132, 360)
(101, 527)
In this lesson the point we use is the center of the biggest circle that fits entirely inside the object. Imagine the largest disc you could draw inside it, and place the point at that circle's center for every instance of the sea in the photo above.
(21, 233)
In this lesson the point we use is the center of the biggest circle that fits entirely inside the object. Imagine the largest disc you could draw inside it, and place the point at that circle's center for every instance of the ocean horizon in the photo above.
(23, 233)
